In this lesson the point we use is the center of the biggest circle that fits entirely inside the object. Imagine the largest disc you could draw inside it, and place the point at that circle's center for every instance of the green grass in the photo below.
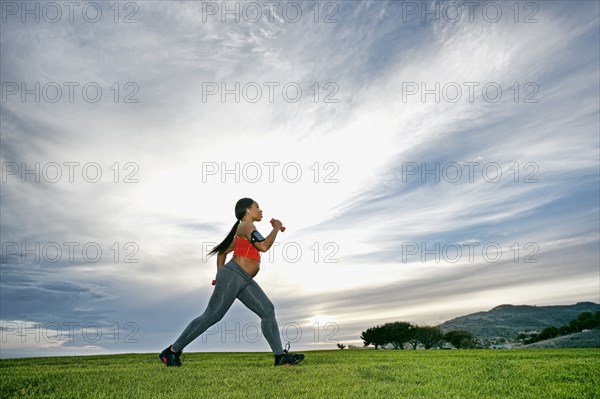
(477, 374)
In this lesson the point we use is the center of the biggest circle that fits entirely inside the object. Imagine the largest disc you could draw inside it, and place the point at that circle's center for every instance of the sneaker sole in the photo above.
(290, 364)
(164, 360)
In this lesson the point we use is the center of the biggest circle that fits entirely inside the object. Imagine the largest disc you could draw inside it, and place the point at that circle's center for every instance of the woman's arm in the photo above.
(264, 246)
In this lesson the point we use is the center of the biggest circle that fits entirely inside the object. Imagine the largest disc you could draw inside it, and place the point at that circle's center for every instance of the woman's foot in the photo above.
(170, 358)
(288, 359)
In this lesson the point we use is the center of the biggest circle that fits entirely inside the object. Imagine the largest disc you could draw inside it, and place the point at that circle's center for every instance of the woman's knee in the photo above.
(210, 317)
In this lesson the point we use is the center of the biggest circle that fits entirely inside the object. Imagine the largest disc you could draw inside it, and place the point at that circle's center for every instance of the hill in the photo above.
(507, 320)
(588, 339)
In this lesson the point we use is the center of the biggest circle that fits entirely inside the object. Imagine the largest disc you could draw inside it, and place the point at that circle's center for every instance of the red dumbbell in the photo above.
(282, 228)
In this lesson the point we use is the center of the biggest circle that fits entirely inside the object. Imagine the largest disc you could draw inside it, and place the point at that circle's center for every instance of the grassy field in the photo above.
(477, 374)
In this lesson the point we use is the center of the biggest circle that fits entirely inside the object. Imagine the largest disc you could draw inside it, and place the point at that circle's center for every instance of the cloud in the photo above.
(363, 192)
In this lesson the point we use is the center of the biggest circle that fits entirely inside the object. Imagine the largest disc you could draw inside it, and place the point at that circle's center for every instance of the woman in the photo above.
(235, 280)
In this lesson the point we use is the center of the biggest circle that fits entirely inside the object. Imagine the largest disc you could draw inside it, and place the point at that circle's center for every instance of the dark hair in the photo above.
(240, 211)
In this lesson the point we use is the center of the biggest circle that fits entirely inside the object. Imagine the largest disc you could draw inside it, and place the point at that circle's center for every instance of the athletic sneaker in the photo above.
(170, 358)
(288, 359)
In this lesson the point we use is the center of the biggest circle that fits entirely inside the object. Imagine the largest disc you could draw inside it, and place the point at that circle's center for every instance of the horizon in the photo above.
(428, 159)
(23, 356)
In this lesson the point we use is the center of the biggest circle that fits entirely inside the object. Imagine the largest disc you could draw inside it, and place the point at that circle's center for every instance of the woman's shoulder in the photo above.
(244, 229)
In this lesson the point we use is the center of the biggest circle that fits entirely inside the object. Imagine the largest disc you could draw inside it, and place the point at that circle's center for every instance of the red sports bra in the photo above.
(245, 248)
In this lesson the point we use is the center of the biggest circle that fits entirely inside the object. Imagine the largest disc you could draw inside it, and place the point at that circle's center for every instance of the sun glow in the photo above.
(321, 319)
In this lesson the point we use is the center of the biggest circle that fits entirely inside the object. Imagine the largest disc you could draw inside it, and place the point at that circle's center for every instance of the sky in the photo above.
(428, 159)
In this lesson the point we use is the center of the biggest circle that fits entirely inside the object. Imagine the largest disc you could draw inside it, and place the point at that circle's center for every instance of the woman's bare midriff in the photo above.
(249, 265)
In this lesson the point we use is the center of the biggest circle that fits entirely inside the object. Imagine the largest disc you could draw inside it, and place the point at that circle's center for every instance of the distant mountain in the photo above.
(507, 320)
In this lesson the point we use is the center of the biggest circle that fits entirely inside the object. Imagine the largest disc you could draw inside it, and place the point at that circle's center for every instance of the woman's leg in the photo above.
(229, 284)
(257, 301)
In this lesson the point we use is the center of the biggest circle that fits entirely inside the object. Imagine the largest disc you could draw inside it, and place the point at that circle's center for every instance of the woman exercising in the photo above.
(235, 279)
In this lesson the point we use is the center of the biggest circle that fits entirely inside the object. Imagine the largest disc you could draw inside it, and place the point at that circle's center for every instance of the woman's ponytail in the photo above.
(226, 242)
(240, 211)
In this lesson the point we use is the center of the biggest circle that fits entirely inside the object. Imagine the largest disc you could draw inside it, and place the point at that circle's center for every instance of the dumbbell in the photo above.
(282, 228)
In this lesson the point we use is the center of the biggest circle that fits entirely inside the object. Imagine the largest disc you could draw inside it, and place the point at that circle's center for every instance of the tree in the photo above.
(459, 338)
(564, 330)
(428, 336)
(532, 339)
(397, 333)
(548, 332)
(374, 336)
(341, 346)
(574, 325)
(412, 340)
(380, 338)
(368, 337)
(585, 316)
(585, 320)
(588, 320)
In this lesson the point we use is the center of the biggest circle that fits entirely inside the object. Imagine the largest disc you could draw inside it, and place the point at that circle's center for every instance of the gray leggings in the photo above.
(234, 282)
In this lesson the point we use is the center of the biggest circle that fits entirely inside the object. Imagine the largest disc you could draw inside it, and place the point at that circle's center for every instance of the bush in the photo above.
(548, 332)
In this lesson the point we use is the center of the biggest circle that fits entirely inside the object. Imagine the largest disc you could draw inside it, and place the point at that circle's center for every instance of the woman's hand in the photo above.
(276, 223)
